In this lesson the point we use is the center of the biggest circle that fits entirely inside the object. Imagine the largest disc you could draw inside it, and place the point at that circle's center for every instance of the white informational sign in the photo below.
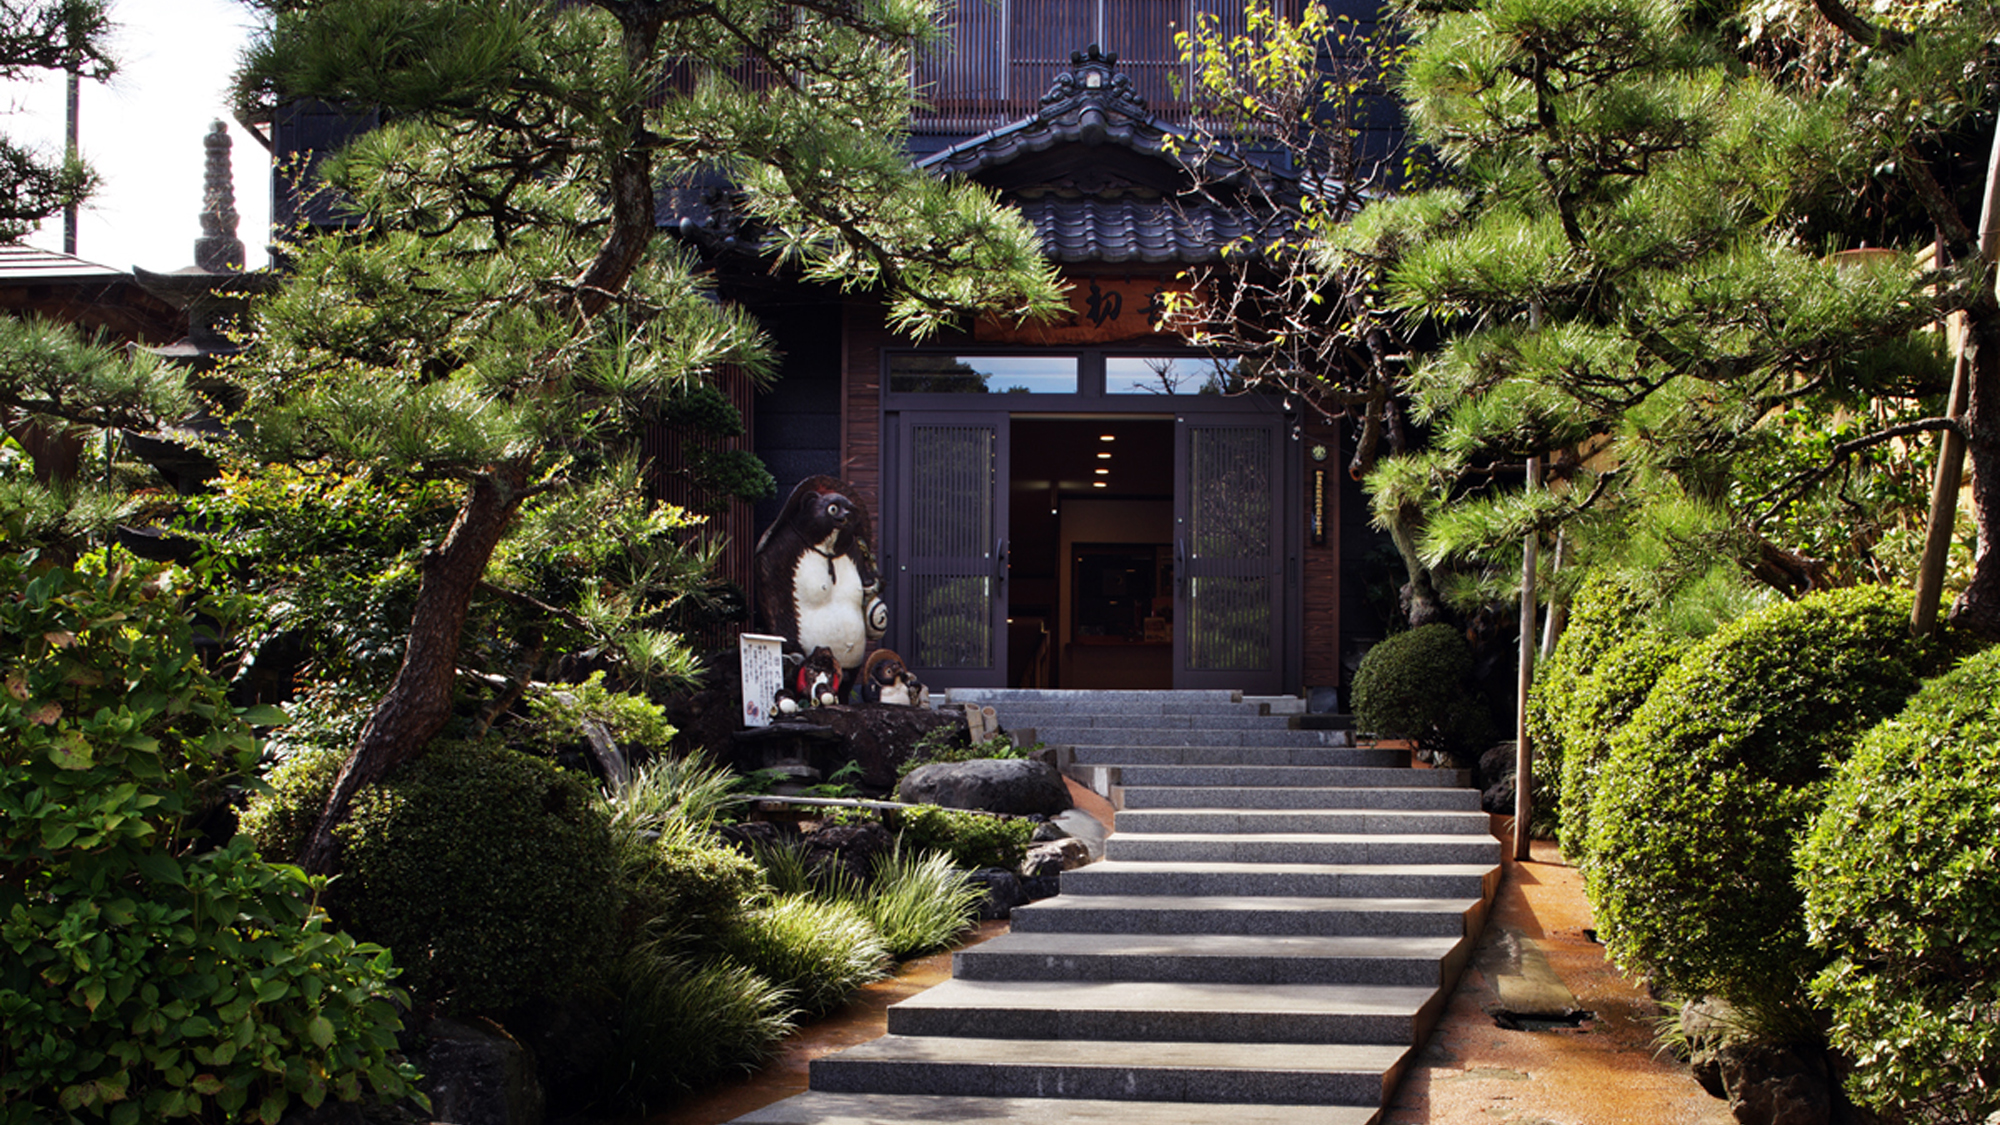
(763, 661)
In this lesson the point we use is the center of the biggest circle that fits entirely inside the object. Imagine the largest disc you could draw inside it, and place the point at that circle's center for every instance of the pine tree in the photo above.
(502, 308)
(1638, 278)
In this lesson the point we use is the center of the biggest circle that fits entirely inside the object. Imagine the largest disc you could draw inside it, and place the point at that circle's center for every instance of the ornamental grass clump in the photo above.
(682, 1022)
(1901, 877)
(1711, 784)
(817, 950)
(920, 901)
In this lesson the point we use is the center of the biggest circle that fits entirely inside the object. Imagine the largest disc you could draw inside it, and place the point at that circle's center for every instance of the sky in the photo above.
(143, 133)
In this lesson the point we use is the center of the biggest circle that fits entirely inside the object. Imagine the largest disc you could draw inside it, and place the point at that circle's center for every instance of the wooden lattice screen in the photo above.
(668, 454)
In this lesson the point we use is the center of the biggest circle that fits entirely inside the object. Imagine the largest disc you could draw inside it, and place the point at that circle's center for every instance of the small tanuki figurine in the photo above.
(885, 679)
(816, 683)
(817, 585)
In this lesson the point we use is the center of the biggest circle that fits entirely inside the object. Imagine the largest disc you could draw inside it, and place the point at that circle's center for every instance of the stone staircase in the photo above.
(1276, 925)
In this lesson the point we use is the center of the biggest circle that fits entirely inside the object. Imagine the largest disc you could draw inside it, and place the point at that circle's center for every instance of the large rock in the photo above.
(1004, 892)
(850, 849)
(1775, 1084)
(477, 1074)
(880, 737)
(1002, 785)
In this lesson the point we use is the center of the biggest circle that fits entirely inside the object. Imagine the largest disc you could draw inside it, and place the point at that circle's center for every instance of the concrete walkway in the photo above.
(1274, 930)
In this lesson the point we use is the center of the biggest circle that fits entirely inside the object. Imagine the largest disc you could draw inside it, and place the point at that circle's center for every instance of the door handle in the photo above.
(1000, 566)
(1180, 565)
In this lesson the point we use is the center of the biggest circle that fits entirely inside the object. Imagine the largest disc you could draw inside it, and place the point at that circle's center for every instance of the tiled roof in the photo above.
(23, 264)
(1086, 229)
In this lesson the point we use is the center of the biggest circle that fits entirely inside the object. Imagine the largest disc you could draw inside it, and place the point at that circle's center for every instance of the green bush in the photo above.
(972, 840)
(1601, 616)
(1710, 785)
(1416, 685)
(950, 744)
(1599, 705)
(492, 873)
(147, 976)
(1901, 876)
(819, 951)
(685, 881)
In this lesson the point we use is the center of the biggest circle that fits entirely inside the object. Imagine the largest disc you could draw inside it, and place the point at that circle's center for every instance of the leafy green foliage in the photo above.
(818, 951)
(493, 871)
(281, 816)
(1600, 615)
(1416, 685)
(679, 879)
(1901, 876)
(149, 976)
(971, 840)
(557, 712)
(328, 558)
(1717, 775)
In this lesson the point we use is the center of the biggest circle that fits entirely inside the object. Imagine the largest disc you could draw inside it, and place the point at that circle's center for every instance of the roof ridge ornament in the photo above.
(1092, 84)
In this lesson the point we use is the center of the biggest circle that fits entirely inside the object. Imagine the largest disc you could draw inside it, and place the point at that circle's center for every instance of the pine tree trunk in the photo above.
(1978, 608)
(419, 699)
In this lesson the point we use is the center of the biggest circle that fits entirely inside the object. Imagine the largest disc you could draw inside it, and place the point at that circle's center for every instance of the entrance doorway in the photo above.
(1091, 534)
(1064, 531)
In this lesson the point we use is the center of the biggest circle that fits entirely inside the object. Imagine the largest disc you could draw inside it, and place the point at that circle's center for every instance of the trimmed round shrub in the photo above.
(281, 819)
(1416, 685)
(491, 873)
(1598, 707)
(1602, 615)
(818, 950)
(1901, 875)
(685, 881)
(1709, 787)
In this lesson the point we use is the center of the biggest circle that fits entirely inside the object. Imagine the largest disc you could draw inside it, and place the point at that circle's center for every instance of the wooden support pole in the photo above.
(1524, 755)
(1951, 448)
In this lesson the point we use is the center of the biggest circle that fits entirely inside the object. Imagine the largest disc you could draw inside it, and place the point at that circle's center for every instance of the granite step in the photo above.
(1264, 915)
(1301, 847)
(1211, 736)
(1142, 821)
(1121, 1070)
(1166, 1011)
(817, 1108)
(1262, 959)
(1171, 753)
(1310, 776)
(1429, 797)
(1307, 880)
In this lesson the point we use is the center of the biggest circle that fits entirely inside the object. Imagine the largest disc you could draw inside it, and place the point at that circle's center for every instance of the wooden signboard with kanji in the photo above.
(1101, 311)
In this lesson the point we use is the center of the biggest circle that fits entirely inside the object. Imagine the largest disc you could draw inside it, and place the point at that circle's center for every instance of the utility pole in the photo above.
(75, 100)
